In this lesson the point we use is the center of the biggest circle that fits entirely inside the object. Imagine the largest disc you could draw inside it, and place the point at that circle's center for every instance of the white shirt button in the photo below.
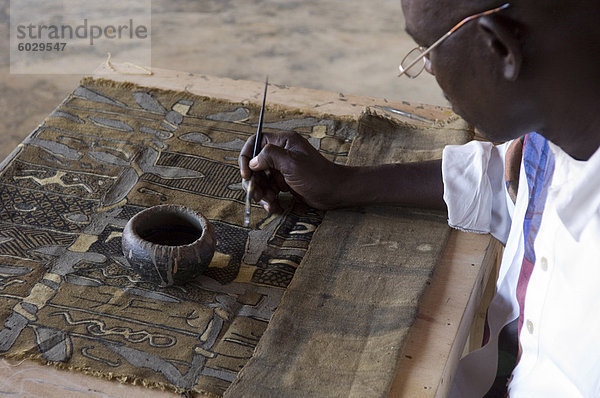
(530, 327)
(544, 263)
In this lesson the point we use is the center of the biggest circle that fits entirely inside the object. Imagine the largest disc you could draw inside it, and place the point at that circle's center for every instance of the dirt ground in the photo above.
(347, 46)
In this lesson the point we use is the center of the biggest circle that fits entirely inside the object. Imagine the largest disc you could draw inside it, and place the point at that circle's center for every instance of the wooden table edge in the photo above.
(437, 339)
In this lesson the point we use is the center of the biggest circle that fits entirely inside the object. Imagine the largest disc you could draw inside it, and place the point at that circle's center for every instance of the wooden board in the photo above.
(437, 339)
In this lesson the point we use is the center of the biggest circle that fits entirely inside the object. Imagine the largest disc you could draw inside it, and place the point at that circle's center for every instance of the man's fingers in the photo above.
(245, 171)
(262, 186)
(279, 181)
(257, 193)
(271, 207)
(282, 140)
(271, 157)
(265, 193)
(245, 156)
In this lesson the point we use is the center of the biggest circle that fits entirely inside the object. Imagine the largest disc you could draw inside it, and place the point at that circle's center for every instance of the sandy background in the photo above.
(346, 46)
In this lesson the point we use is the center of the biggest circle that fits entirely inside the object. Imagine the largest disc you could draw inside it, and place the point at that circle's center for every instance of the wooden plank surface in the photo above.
(31, 379)
(437, 339)
(439, 334)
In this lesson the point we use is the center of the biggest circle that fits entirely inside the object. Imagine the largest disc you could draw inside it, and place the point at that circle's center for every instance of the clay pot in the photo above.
(168, 244)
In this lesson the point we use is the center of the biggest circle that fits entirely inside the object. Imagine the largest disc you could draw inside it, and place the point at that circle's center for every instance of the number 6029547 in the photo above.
(39, 47)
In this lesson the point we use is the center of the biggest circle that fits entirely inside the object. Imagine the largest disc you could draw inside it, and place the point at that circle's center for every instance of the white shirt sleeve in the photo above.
(474, 188)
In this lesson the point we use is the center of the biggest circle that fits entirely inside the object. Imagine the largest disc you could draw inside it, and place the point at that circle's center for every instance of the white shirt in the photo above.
(560, 334)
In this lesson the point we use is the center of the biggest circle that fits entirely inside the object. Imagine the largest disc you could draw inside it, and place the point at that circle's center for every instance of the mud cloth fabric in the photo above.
(68, 296)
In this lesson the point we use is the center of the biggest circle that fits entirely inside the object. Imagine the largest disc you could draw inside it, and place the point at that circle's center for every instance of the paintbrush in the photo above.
(257, 148)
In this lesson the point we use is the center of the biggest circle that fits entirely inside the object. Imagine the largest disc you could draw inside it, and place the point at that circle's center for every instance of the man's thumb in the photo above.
(270, 157)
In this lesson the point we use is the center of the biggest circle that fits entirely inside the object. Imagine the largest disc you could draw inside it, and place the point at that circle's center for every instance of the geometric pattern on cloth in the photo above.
(110, 150)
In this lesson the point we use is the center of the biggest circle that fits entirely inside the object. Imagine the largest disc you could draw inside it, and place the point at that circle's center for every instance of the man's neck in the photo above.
(577, 130)
(579, 147)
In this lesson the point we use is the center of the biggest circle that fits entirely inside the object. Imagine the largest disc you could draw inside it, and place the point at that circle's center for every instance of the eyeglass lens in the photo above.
(417, 68)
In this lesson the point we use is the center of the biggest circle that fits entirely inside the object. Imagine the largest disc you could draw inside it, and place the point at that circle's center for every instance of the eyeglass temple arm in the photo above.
(424, 53)
(454, 29)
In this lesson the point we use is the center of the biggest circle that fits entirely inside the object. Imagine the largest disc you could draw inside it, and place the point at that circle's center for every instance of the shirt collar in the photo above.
(579, 199)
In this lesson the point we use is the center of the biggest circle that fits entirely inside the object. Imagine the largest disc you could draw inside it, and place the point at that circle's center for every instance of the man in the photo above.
(524, 72)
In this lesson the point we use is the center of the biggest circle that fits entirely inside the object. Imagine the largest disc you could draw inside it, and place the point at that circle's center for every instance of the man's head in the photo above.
(534, 66)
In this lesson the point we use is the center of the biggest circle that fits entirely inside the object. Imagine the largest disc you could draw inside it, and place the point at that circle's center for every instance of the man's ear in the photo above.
(503, 43)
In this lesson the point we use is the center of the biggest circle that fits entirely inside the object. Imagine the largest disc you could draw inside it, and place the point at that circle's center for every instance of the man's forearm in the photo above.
(416, 184)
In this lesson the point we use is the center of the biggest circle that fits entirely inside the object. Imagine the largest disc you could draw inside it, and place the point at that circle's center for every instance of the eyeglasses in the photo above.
(414, 62)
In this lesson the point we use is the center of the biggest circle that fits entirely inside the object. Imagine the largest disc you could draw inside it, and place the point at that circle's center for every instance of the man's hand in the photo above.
(288, 162)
